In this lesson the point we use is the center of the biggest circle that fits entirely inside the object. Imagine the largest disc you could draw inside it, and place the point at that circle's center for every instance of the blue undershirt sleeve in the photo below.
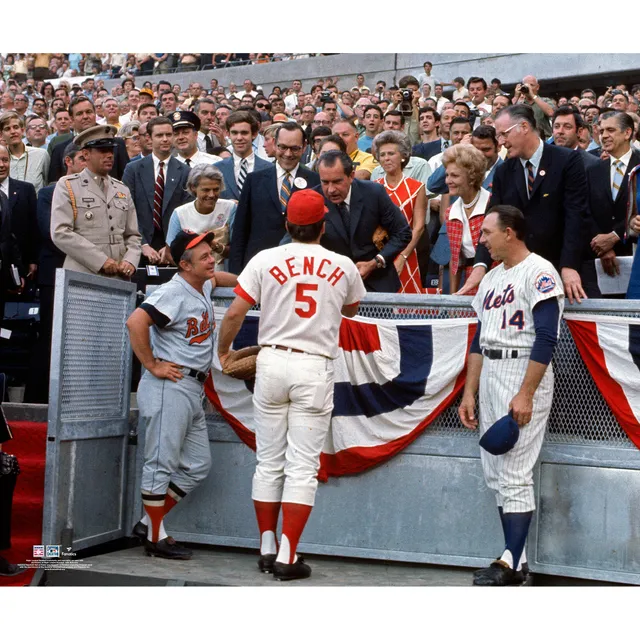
(475, 344)
(546, 315)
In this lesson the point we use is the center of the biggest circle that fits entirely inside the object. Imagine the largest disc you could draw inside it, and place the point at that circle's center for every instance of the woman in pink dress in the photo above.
(393, 152)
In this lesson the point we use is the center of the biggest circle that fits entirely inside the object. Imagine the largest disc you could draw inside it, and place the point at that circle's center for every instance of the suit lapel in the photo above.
(543, 169)
(233, 185)
(334, 218)
(170, 182)
(633, 161)
(13, 194)
(355, 208)
(518, 177)
(148, 179)
(273, 187)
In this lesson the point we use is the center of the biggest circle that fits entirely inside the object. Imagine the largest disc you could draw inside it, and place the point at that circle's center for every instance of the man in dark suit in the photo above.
(9, 254)
(83, 115)
(549, 185)
(243, 129)
(157, 174)
(50, 259)
(356, 209)
(427, 150)
(608, 194)
(22, 210)
(259, 220)
(567, 127)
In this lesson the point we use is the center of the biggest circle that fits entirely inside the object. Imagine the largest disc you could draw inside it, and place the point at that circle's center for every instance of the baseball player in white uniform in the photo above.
(172, 334)
(518, 305)
(304, 290)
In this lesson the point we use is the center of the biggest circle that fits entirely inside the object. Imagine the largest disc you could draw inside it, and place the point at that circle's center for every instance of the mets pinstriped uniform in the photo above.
(302, 288)
(177, 455)
(504, 304)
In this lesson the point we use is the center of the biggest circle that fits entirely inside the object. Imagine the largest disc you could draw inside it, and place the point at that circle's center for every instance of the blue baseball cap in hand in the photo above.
(501, 436)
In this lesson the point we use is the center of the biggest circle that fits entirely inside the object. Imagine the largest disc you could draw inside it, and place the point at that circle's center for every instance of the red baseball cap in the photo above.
(306, 207)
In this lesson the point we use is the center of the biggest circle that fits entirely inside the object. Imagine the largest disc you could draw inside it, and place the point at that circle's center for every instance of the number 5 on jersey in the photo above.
(309, 304)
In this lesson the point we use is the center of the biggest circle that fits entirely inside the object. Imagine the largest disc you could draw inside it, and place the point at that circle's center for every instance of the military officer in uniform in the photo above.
(93, 218)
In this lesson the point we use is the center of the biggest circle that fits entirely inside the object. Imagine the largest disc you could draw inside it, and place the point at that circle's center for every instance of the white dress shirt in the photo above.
(199, 157)
(156, 166)
(4, 186)
(535, 161)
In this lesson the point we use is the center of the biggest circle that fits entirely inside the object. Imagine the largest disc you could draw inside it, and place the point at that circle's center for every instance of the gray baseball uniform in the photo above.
(172, 413)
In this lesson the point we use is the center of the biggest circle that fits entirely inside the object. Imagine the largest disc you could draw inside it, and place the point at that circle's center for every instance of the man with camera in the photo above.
(406, 101)
(477, 91)
(527, 92)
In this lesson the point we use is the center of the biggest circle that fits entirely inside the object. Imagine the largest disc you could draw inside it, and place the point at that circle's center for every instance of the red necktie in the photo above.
(157, 198)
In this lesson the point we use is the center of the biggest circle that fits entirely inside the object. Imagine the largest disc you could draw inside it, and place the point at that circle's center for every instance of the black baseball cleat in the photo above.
(7, 569)
(140, 531)
(296, 571)
(266, 562)
(498, 574)
(167, 548)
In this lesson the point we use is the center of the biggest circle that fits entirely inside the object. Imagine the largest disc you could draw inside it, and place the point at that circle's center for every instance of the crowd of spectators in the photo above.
(45, 66)
(440, 153)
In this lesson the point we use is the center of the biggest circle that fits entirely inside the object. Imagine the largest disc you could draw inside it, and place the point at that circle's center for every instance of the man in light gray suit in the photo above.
(157, 184)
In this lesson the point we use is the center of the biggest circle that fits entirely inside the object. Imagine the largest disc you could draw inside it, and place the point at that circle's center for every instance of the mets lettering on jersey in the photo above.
(392, 379)
(506, 298)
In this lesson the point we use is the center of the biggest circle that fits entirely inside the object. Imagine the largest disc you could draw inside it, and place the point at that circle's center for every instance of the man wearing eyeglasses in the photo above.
(37, 132)
(548, 184)
(260, 218)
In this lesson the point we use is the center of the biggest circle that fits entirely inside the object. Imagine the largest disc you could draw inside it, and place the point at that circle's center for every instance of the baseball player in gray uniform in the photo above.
(172, 335)
(518, 305)
(304, 290)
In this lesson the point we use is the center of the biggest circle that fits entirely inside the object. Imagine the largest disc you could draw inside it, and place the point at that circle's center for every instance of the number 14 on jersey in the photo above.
(516, 320)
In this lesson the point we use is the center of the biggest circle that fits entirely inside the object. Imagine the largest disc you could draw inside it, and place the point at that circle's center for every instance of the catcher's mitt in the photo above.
(241, 364)
(380, 237)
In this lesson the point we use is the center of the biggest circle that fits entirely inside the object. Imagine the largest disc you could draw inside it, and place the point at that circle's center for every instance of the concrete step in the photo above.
(222, 566)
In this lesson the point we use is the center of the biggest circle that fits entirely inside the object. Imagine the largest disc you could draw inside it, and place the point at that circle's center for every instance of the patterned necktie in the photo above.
(343, 209)
(157, 199)
(618, 177)
(445, 145)
(530, 177)
(242, 176)
(285, 190)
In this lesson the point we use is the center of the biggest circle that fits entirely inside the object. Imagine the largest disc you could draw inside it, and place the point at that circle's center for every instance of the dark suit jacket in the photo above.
(608, 215)
(51, 258)
(588, 159)
(57, 168)
(9, 251)
(259, 221)
(139, 176)
(427, 150)
(558, 210)
(22, 204)
(369, 207)
(231, 191)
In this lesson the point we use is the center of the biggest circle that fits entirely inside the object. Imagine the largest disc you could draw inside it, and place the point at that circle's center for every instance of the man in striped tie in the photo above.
(548, 184)
(260, 218)
(608, 195)
(243, 129)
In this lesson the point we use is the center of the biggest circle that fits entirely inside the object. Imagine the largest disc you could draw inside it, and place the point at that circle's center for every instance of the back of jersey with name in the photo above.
(302, 289)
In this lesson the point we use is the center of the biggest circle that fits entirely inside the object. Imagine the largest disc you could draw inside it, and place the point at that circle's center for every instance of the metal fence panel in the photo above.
(87, 437)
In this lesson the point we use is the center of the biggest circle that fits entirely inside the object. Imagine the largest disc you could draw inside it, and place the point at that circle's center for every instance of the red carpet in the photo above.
(29, 445)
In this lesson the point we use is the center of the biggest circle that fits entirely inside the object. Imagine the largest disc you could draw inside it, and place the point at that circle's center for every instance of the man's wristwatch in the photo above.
(379, 262)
